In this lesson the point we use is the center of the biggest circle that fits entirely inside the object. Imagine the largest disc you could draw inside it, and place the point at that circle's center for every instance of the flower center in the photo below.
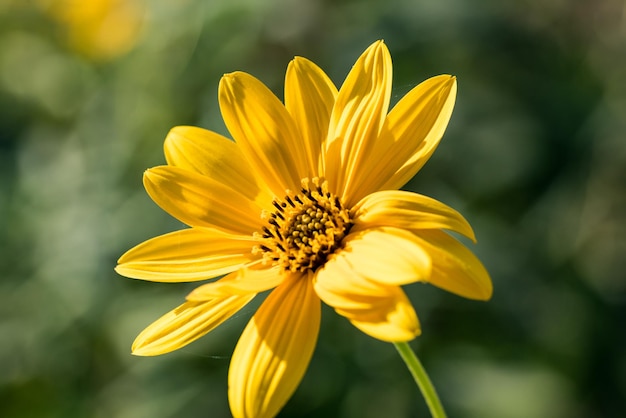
(306, 228)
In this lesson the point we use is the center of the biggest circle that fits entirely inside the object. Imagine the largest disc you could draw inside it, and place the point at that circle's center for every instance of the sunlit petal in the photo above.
(410, 135)
(455, 268)
(408, 210)
(394, 322)
(415, 127)
(197, 200)
(264, 131)
(187, 323)
(340, 287)
(214, 156)
(309, 98)
(251, 279)
(356, 119)
(382, 311)
(274, 350)
(187, 255)
(386, 255)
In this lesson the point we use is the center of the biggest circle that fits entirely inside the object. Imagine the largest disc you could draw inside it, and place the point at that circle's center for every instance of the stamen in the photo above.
(277, 206)
(305, 229)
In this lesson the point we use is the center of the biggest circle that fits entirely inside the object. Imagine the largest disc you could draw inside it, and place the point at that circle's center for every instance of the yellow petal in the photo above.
(274, 350)
(339, 286)
(197, 200)
(415, 127)
(402, 209)
(187, 255)
(309, 99)
(251, 279)
(411, 134)
(185, 324)
(398, 322)
(214, 156)
(455, 268)
(264, 131)
(383, 312)
(386, 255)
(357, 119)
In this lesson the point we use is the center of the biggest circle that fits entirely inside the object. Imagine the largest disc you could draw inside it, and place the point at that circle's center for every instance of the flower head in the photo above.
(304, 203)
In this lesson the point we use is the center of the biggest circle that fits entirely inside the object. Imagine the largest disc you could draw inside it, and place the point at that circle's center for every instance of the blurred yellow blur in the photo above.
(99, 29)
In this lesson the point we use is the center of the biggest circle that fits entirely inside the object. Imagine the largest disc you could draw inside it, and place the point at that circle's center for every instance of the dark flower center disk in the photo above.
(305, 229)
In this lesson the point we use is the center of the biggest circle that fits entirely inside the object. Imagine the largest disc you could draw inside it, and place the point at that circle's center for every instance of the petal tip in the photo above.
(380, 46)
(149, 174)
(469, 233)
(140, 350)
(483, 291)
(233, 77)
(225, 85)
(143, 352)
(180, 130)
(452, 83)
(295, 65)
(296, 61)
(377, 48)
(488, 292)
(300, 64)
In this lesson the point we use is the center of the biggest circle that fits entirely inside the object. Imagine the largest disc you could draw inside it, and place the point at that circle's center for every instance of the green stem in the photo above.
(422, 380)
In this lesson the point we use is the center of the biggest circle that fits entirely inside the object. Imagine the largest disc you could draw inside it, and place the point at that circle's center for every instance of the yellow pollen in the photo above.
(305, 229)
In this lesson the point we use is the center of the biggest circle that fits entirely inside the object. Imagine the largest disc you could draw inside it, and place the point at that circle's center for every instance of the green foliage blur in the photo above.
(534, 157)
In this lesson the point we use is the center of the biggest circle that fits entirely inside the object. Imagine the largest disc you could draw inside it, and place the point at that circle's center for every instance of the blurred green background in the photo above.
(534, 157)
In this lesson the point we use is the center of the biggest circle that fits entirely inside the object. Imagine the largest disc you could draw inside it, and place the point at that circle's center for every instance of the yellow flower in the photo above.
(304, 202)
(99, 29)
